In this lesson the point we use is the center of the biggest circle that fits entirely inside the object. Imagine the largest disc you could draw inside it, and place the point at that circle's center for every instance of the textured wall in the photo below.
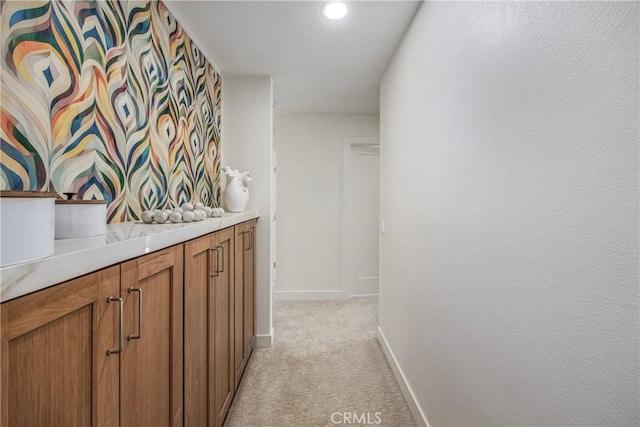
(509, 185)
(108, 99)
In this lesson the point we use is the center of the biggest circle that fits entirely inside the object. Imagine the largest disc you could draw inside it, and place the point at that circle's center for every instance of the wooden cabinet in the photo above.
(245, 236)
(66, 360)
(151, 362)
(125, 345)
(208, 372)
(55, 366)
(223, 306)
(249, 284)
(198, 258)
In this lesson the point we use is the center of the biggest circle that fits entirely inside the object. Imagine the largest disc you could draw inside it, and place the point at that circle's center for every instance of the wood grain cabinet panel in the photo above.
(244, 289)
(151, 363)
(55, 366)
(198, 256)
(249, 275)
(223, 307)
(209, 374)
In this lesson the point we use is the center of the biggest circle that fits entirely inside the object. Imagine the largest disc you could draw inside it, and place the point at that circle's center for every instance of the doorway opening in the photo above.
(361, 189)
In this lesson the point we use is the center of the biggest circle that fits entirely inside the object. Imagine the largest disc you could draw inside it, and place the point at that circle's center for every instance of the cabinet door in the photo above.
(238, 343)
(208, 370)
(244, 296)
(199, 259)
(249, 271)
(223, 324)
(55, 366)
(151, 369)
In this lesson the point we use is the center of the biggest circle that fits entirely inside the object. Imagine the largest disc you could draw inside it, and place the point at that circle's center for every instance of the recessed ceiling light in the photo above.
(334, 10)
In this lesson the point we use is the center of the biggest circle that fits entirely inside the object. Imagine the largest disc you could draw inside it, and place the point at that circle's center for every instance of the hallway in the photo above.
(325, 368)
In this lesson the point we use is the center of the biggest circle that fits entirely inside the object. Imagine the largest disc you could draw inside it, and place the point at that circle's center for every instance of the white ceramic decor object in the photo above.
(236, 194)
(217, 212)
(147, 216)
(187, 216)
(26, 225)
(80, 218)
(161, 217)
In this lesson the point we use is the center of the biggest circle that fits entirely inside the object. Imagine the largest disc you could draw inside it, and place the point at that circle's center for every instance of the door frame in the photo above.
(347, 245)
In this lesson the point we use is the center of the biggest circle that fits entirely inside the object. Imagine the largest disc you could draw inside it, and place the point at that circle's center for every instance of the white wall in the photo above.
(247, 132)
(509, 185)
(309, 200)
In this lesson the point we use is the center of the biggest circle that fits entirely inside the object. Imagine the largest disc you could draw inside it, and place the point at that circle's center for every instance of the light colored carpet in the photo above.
(326, 368)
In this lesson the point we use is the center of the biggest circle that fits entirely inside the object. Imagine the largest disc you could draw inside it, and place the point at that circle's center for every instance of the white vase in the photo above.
(236, 194)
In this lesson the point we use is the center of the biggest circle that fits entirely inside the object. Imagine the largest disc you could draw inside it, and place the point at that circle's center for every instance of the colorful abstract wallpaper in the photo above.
(108, 99)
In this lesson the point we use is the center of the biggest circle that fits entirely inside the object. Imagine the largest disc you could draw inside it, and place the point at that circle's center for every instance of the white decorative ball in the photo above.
(179, 210)
(207, 210)
(147, 216)
(160, 217)
(197, 215)
(175, 217)
(187, 216)
(187, 206)
(198, 206)
(217, 212)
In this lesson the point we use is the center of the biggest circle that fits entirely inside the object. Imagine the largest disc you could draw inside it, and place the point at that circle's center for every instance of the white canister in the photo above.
(80, 218)
(26, 226)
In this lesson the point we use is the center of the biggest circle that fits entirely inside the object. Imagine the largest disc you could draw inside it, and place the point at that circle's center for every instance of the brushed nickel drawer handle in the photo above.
(137, 337)
(118, 350)
(214, 271)
(221, 262)
(248, 246)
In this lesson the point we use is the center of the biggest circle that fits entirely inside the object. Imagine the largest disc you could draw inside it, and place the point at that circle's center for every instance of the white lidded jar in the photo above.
(26, 226)
(80, 218)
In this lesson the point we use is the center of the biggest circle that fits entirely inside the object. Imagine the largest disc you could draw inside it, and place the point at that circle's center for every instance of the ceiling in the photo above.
(318, 66)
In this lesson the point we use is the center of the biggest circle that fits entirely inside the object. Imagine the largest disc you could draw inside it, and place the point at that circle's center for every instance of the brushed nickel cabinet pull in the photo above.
(251, 239)
(221, 262)
(214, 271)
(248, 246)
(121, 339)
(137, 337)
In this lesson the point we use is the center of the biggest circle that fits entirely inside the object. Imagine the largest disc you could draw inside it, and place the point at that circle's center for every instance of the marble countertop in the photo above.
(76, 257)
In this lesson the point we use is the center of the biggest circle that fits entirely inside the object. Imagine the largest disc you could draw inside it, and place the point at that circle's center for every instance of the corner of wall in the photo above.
(407, 392)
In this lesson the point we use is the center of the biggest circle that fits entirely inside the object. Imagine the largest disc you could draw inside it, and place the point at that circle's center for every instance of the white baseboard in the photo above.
(365, 285)
(264, 341)
(414, 407)
(308, 295)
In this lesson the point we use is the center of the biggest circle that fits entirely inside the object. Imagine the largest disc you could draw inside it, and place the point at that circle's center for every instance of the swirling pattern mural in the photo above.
(108, 99)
